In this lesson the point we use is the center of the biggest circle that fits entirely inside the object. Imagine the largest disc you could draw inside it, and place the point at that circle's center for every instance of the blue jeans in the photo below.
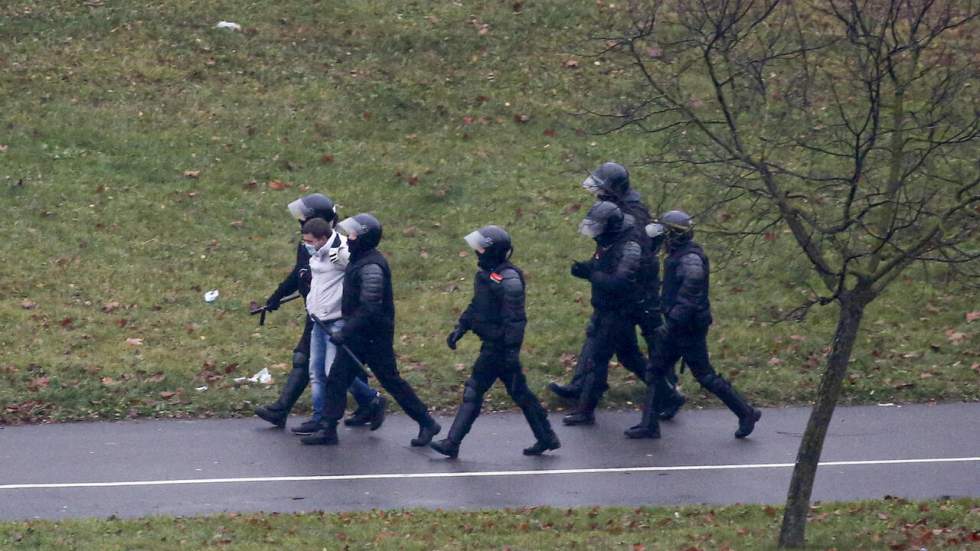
(322, 355)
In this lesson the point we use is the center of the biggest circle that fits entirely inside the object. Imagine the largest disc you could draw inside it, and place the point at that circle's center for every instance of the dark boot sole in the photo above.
(426, 438)
(756, 415)
(563, 392)
(450, 453)
(578, 421)
(638, 434)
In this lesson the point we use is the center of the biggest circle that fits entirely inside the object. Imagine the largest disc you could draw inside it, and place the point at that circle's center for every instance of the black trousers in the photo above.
(692, 347)
(611, 334)
(490, 366)
(379, 355)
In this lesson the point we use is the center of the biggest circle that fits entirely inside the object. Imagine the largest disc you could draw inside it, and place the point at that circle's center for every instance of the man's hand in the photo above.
(272, 304)
(337, 337)
(454, 337)
(582, 269)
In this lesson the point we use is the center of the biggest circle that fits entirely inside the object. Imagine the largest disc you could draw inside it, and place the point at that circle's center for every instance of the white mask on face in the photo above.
(310, 249)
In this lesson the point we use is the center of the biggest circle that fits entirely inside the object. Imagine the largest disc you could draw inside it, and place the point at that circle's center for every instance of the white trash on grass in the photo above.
(230, 25)
(262, 377)
(211, 295)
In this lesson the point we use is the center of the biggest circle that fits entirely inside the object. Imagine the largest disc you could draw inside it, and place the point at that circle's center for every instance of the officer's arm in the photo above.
(290, 284)
(371, 301)
(693, 289)
(513, 314)
(466, 318)
(625, 273)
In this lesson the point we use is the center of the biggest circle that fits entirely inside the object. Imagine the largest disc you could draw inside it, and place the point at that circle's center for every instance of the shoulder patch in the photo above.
(495, 277)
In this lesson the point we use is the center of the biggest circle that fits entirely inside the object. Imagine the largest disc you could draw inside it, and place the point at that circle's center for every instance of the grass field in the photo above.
(147, 157)
(887, 524)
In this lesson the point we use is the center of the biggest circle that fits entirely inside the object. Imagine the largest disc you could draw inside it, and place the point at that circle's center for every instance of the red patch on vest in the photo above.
(496, 277)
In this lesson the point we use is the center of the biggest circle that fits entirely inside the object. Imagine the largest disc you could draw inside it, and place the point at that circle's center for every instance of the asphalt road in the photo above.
(132, 469)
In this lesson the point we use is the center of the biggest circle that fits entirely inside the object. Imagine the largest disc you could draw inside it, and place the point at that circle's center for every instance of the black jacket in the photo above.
(686, 280)
(293, 282)
(496, 312)
(368, 305)
(649, 275)
(615, 275)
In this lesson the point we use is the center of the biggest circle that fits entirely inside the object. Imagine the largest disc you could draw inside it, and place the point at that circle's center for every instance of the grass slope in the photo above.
(147, 157)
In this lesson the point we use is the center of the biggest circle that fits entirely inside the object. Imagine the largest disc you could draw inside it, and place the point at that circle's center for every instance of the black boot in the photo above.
(649, 427)
(376, 415)
(584, 414)
(426, 433)
(567, 392)
(671, 404)
(307, 428)
(360, 417)
(747, 415)
(277, 412)
(326, 436)
(537, 419)
(446, 447)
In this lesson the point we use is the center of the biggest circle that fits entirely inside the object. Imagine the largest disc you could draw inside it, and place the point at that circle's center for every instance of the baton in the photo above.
(256, 309)
(344, 347)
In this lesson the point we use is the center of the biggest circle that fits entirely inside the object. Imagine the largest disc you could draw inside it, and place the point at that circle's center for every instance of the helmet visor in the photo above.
(591, 228)
(655, 230)
(477, 241)
(593, 185)
(350, 227)
(299, 210)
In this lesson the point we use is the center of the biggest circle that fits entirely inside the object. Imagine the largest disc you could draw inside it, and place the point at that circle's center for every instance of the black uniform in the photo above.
(687, 311)
(646, 315)
(496, 314)
(613, 272)
(368, 310)
(298, 280)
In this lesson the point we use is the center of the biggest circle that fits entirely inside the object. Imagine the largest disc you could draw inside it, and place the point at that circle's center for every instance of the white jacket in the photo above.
(327, 286)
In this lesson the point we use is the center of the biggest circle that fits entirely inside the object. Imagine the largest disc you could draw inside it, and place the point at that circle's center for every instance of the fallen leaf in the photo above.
(570, 63)
(38, 383)
(67, 323)
(774, 361)
(326, 159)
(521, 118)
(277, 185)
(192, 173)
(167, 394)
(973, 316)
(550, 132)
(134, 341)
(28, 304)
(955, 336)
(157, 377)
(110, 306)
(109, 381)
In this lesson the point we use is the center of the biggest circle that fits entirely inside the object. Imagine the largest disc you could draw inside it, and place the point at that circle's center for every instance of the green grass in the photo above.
(411, 110)
(885, 524)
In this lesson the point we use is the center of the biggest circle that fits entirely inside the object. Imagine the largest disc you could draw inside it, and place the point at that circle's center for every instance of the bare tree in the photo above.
(854, 123)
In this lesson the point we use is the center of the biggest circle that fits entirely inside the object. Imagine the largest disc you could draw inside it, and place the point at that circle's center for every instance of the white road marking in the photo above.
(474, 474)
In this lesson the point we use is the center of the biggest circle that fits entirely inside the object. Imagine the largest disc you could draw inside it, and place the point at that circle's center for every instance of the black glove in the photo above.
(305, 276)
(582, 269)
(454, 337)
(337, 336)
(272, 304)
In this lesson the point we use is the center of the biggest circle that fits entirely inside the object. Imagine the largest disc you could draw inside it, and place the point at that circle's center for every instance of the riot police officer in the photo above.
(613, 272)
(611, 182)
(687, 312)
(367, 335)
(311, 206)
(496, 314)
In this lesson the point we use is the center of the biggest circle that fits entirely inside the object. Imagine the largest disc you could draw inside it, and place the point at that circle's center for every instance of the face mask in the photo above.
(310, 249)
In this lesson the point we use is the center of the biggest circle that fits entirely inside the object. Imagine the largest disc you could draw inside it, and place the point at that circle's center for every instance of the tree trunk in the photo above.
(801, 486)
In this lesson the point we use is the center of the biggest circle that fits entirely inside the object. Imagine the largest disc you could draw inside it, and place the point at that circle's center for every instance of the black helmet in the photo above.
(603, 218)
(365, 227)
(676, 225)
(495, 243)
(315, 205)
(611, 180)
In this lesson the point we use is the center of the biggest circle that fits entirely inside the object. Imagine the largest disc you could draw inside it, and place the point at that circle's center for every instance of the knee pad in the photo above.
(713, 382)
(300, 360)
(470, 393)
